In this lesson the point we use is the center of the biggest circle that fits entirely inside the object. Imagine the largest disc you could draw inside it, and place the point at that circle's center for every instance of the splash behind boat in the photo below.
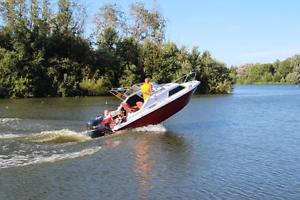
(165, 101)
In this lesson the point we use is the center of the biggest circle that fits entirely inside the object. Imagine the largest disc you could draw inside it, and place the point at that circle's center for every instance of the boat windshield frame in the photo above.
(123, 93)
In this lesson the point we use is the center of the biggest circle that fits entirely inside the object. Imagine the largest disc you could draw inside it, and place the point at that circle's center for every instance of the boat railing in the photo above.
(119, 93)
(123, 92)
(185, 78)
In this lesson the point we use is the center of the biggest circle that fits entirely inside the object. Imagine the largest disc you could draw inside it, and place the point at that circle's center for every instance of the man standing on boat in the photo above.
(146, 89)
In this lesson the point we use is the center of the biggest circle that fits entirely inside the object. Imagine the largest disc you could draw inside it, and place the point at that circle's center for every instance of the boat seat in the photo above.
(129, 108)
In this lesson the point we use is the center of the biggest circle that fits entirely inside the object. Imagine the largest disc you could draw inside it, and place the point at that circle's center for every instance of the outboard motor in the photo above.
(96, 128)
(94, 122)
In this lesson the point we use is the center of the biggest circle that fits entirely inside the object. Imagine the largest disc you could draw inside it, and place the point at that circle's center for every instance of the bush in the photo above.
(224, 87)
(21, 88)
(94, 87)
(68, 87)
(292, 78)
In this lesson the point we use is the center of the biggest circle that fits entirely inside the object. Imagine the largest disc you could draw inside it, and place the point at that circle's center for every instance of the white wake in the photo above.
(54, 136)
(24, 160)
(7, 120)
(151, 128)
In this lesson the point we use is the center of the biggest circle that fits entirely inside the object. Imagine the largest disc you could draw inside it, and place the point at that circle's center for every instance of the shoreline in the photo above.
(265, 83)
(196, 94)
(109, 96)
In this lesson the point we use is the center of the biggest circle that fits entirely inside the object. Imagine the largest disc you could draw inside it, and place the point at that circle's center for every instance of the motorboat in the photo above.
(133, 111)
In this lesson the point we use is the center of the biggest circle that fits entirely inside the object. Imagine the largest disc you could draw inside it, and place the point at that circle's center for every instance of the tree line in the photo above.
(43, 51)
(279, 72)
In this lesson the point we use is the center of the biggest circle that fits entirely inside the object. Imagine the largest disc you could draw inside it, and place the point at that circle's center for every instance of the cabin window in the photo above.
(175, 90)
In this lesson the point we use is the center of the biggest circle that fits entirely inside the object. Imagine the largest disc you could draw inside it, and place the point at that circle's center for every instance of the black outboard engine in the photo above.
(96, 128)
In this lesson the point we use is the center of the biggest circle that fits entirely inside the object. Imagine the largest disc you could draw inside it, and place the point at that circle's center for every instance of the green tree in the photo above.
(110, 16)
(44, 53)
(147, 24)
(70, 18)
(107, 60)
(286, 71)
(295, 62)
(34, 13)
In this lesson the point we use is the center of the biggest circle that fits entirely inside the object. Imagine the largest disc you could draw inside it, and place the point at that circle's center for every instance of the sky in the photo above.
(233, 31)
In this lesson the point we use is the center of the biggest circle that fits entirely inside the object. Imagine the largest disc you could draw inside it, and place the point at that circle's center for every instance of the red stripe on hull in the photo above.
(162, 113)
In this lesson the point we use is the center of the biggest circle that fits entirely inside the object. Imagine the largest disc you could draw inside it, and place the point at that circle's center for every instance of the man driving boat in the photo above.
(146, 89)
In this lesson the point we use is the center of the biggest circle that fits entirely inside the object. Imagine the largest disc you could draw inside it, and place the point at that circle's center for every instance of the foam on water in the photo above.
(7, 120)
(151, 128)
(34, 158)
(10, 136)
(54, 136)
(58, 136)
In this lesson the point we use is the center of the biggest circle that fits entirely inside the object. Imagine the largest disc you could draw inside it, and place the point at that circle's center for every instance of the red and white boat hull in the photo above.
(162, 113)
(160, 106)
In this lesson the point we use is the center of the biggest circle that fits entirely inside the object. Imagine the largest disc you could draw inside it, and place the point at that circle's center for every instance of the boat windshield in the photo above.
(156, 86)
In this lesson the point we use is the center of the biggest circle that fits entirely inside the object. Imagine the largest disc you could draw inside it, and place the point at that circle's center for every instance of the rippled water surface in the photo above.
(240, 146)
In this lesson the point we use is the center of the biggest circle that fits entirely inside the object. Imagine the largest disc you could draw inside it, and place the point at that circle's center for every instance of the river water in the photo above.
(240, 146)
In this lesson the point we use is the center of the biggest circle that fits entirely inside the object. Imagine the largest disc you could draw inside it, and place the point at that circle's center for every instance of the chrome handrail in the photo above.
(123, 92)
(185, 77)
